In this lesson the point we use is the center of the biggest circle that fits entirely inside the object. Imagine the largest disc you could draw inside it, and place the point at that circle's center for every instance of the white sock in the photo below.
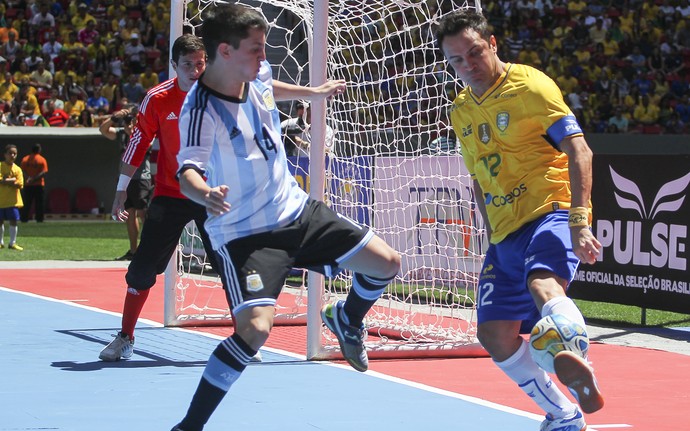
(13, 234)
(536, 383)
(2, 233)
(565, 306)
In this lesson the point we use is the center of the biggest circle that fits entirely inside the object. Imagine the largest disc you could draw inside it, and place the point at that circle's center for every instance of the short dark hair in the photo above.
(460, 20)
(229, 23)
(36, 148)
(186, 44)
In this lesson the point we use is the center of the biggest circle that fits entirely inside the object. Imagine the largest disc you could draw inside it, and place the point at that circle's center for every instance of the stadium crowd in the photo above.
(622, 64)
(70, 63)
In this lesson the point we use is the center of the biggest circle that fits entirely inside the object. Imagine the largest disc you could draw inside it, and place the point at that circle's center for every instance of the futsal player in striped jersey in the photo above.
(532, 176)
(261, 223)
(169, 210)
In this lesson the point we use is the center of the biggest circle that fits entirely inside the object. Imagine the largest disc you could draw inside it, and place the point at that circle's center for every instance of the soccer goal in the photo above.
(394, 165)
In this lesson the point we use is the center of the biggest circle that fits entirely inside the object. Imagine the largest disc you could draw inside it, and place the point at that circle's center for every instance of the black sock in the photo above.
(357, 307)
(204, 403)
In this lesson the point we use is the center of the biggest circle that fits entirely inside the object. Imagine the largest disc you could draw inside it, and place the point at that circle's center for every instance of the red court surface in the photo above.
(645, 390)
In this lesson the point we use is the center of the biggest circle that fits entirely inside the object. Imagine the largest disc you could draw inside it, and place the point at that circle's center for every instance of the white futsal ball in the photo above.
(553, 334)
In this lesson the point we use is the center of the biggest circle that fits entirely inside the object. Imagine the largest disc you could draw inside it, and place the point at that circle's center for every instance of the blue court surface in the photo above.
(52, 380)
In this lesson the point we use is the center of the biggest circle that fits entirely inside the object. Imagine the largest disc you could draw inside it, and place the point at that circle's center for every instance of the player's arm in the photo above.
(481, 206)
(19, 179)
(107, 127)
(585, 246)
(193, 186)
(284, 91)
(139, 142)
(196, 142)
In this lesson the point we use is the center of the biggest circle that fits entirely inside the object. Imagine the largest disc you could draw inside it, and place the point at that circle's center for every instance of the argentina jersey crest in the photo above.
(269, 101)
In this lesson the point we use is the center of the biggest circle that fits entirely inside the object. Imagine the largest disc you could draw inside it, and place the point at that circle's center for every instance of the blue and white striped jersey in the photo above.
(237, 142)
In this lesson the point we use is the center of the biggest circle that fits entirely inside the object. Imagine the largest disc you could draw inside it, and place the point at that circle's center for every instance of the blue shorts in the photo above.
(543, 244)
(11, 213)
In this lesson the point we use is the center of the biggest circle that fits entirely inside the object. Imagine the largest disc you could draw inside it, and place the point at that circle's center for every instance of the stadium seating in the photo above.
(59, 201)
(85, 200)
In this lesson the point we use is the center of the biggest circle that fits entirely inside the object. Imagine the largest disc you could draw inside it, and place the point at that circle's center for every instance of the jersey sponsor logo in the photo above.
(467, 131)
(484, 133)
(235, 132)
(487, 272)
(171, 116)
(270, 103)
(254, 282)
(502, 120)
(507, 199)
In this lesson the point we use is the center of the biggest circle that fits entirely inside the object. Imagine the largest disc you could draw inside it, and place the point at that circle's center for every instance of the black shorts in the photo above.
(254, 268)
(139, 194)
(163, 225)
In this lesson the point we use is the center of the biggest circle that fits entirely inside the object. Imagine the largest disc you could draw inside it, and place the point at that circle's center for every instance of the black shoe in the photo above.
(127, 256)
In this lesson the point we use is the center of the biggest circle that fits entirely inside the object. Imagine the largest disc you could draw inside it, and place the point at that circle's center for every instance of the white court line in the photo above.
(421, 386)
(610, 426)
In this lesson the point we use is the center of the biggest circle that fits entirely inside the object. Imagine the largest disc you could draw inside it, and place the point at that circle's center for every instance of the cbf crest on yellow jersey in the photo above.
(510, 140)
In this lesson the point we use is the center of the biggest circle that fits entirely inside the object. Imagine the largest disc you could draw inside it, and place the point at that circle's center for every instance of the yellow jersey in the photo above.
(9, 193)
(510, 140)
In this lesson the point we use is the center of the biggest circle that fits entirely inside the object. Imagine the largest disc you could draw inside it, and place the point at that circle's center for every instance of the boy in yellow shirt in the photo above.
(11, 181)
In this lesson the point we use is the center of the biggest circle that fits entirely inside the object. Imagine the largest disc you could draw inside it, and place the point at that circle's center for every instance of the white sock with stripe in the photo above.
(536, 383)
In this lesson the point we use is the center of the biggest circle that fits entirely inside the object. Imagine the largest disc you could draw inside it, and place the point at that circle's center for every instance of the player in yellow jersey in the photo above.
(531, 171)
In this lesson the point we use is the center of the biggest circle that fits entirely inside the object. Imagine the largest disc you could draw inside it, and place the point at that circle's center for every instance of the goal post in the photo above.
(393, 165)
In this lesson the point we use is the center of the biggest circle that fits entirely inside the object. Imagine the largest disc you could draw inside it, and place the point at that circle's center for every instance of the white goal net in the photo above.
(393, 164)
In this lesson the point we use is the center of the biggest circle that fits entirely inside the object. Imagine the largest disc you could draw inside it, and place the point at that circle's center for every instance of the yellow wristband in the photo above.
(578, 216)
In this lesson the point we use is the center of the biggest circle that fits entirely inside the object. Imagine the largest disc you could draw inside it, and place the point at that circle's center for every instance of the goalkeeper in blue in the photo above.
(260, 222)
(531, 172)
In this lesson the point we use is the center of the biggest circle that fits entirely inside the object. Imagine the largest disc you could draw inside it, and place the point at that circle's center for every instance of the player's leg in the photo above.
(28, 198)
(138, 193)
(160, 234)
(39, 206)
(550, 272)
(252, 276)
(132, 233)
(14, 229)
(504, 303)
(374, 267)
(332, 241)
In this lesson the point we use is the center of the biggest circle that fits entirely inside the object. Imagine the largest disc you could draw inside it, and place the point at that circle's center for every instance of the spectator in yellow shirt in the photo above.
(611, 47)
(116, 7)
(73, 47)
(23, 73)
(27, 101)
(582, 53)
(597, 34)
(148, 79)
(529, 56)
(151, 7)
(554, 68)
(60, 75)
(96, 46)
(82, 17)
(645, 112)
(567, 82)
(74, 105)
(8, 89)
(577, 7)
